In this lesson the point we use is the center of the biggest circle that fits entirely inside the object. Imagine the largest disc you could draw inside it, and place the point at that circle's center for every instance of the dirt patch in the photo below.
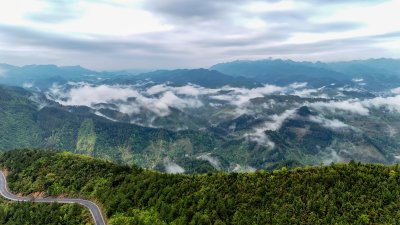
(61, 196)
(38, 194)
(6, 172)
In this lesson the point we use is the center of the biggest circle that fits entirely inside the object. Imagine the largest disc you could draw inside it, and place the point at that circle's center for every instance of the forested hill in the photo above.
(351, 193)
(28, 213)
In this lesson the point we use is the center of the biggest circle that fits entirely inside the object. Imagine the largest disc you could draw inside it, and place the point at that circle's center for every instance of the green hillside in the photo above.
(12, 213)
(299, 140)
(351, 193)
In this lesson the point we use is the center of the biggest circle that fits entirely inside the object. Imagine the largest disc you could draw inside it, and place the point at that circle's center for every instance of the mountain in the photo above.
(44, 76)
(273, 130)
(78, 129)
(350, 193)
(201, 77)
(373, 74)
(282, 72)
(202, 120)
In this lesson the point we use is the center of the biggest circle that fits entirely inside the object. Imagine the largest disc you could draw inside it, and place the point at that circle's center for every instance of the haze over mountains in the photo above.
(235, 116)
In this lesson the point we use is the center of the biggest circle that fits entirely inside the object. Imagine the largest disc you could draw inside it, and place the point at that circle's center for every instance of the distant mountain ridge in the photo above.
(43, 76)
(374, 74)
(180, 77)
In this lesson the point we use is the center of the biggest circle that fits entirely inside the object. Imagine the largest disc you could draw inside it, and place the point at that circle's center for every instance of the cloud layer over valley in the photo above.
(195, 107)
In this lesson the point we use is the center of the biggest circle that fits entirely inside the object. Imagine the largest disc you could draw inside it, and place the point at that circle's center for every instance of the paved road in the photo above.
(94, 209)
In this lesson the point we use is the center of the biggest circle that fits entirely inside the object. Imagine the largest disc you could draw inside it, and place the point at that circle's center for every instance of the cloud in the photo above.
(192, 10)
(56, 12)
(395, 90)
(297, 85)
(157, 98)
(126, 98)
(188, 90)
(332, 157)
(88, 95)
(189, 33)
(241, 96)
(357, 80)
(161, 106)
(212, 160)
(305, 92)
(277, 120)
(25, 36)
(145, 104)
(352, 106)
(275, 123)
(243, 169)
(39, 100)
(391, 103)
(28, 85)
(333, 124)
(2, 72)
(361, 107)
(172, 167)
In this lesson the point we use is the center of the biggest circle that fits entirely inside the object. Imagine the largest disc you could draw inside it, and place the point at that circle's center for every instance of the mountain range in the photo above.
(236, 116)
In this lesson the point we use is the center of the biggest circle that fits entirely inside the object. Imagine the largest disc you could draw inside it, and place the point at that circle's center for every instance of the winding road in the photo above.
(93, 208)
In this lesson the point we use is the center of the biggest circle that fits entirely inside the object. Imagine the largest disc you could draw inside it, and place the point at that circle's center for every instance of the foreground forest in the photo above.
(12, 213)
(351, 193)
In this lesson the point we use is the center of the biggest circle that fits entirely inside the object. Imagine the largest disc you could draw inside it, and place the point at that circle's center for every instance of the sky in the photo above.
(156, 34)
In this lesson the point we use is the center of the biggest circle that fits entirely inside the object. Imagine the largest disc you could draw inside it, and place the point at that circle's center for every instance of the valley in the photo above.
(197, 121)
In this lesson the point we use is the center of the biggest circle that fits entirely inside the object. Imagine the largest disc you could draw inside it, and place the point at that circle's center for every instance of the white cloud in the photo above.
(102, 115)
(128, 99)
(275, 123)
(41, 103)
(242, 96)
(89, 95)
(347, 88)
(228, 30)
(297, 85)
(353, 106)
(357, 80)
(361, 107)
(87, 17)
(277, 120)
(395, 90)
(2, 72)
(172, 167)
(243, 168)
(258, 135)
(168, 99)
(334, 124)
(27, 85)
(391, 103)
(157, 89)
(305, 92)
(129, 108)
(188, 90)
(212, 160)
(333, 157)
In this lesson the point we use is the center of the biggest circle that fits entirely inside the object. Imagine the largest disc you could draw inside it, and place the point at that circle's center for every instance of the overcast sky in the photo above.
(154, 34)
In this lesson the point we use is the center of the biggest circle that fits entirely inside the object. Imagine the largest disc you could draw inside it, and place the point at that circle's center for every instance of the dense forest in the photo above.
(25, 213)
(351, 193)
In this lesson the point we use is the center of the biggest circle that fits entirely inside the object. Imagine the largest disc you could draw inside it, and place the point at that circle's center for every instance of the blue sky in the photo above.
(154, 34)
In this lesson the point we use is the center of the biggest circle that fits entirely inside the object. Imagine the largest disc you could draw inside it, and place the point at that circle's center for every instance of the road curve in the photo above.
(93, 208)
